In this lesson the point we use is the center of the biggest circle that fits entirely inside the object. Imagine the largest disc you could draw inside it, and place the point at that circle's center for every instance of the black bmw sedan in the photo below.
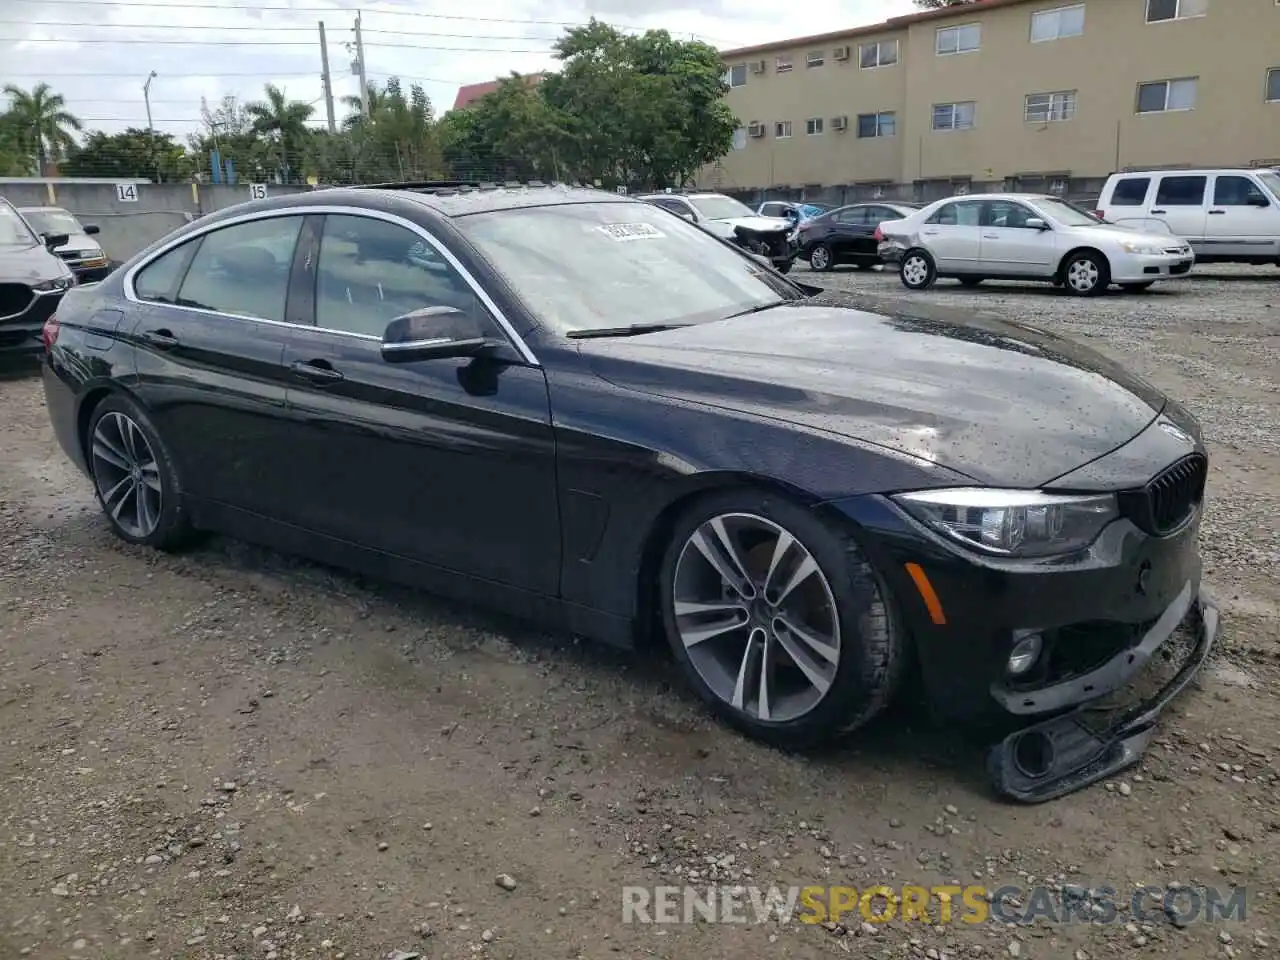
(580, 409)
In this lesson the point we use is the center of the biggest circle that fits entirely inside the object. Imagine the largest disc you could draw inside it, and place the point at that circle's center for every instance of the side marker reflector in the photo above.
(927, 594)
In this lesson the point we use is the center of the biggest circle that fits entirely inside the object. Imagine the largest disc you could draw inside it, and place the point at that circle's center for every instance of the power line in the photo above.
(264, 29)
(272, 43)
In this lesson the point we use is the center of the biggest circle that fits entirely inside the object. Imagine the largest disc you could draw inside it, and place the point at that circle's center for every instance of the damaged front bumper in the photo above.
(1111, 731)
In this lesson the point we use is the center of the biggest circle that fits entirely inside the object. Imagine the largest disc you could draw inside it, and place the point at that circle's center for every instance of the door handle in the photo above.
(318, 371)
(163, 339)
(1216, 213)
(991, 236)
(1159, 211)
(930, 233)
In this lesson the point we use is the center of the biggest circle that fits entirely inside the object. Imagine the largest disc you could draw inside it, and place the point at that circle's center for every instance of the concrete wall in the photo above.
(128, 226)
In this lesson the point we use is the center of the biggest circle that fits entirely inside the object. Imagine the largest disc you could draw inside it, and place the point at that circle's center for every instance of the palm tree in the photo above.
(43, 124)
(282, 120)
(352, 103)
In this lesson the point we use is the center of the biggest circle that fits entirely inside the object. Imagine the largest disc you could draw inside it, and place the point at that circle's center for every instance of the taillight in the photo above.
(49, 332)
(878, 235)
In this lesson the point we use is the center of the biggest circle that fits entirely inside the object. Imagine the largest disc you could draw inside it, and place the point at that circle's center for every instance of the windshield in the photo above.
(588, 266)
(721, 208)
(13, 231)
(1271, 180)
(53, 221)
(1067, 214)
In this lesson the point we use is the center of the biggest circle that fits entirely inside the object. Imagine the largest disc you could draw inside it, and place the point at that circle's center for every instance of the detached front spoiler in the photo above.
(1066, 753)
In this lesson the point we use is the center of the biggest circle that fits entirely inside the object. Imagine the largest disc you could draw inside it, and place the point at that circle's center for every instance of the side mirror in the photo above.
(1035, 223)
(54, 240)
(92, 229)
(433, 333)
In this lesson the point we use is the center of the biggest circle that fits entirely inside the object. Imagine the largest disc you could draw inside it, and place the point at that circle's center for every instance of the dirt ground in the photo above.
(233, 754)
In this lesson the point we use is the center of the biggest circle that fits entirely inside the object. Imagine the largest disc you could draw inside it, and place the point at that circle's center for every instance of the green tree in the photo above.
(509, 134)
(134, 153)
(282, 122)
(14, 162)
(41, 123)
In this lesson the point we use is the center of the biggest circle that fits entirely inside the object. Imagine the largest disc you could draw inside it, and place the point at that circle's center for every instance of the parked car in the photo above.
(32, 281)
(604, 419)
(847, 234)
(796, 212)
(1016, 236)
(81, 252)
(771, 237)
(1228, 216)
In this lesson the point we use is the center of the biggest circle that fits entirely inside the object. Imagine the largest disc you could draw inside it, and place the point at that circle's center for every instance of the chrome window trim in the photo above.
(130, 294)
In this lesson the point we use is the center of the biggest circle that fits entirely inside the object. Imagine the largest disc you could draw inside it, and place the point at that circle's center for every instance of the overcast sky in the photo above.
(98, 53)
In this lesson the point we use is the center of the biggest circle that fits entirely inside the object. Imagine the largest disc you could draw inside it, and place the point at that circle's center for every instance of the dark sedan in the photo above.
(846, 235)
(587, 412)
(32, 281)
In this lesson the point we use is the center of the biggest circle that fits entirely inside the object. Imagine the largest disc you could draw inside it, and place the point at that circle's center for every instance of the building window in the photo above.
(1162, 96)
(782, 129)
(737, 75)
(813, 126)
(877, 124)
(1159, 11)
(1273, 85)
(965, 39)
(783, 63)
(881, 53)
(954, 116)
(815, 59)
(1044, 107)
(1057, 24)
(740, 138)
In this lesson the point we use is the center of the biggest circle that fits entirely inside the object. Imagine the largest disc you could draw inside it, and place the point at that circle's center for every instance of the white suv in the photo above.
(1015, 236)
(1228, 216)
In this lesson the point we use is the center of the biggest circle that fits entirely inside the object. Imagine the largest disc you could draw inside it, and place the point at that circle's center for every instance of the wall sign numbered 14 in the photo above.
(126, 193)
(257, 191)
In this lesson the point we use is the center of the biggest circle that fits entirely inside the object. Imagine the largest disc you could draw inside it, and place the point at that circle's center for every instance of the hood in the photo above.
(759, 224)
(29, 265)
(1004, 404)
(80, 241)
(1117, 233)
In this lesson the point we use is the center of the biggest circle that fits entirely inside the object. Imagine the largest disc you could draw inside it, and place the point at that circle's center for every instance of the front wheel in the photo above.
(134, 477)
(917, 271)
(1086, 274)
(778, 622)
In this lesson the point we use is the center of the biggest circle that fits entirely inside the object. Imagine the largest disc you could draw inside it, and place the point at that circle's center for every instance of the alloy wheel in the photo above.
(915, 271)
(1082, 275)
(757, 617)
(819, 258)
(127, 475)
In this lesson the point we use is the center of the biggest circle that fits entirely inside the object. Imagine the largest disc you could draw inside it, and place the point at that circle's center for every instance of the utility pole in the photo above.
(151, 130)
(360, 69)
(328, 84)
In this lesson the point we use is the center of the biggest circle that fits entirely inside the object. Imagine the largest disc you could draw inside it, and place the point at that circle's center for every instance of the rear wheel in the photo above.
(778, 622)
(134, 477)
(1086, 274)
(918, 271)
(821, 258)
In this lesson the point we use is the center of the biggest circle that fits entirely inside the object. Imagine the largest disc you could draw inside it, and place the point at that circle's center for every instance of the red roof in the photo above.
(472, 92)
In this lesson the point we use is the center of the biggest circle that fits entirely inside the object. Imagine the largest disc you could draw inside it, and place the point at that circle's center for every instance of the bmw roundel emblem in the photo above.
(1176, 432)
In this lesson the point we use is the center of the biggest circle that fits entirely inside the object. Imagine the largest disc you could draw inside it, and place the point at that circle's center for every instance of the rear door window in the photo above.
(157, 282)
(1181, 192)
(1130, 192)
(962, 213)
(855, 215)
(244, 269)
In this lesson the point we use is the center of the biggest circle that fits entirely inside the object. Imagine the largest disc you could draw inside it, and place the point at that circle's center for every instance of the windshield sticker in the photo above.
(623, 232)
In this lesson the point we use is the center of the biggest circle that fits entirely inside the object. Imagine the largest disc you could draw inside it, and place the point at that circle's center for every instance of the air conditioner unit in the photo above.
(760, 66)
(841, 53)
(839, 123)
(755, 130)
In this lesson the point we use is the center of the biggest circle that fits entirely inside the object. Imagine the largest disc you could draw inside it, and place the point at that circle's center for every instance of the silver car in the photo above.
(1014, 236)
(82, 253)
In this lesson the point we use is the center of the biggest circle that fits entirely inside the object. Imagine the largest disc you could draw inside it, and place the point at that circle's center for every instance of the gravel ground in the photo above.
(235, 754)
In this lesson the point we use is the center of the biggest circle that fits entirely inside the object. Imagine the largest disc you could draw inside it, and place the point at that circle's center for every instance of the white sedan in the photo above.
(1009, 236)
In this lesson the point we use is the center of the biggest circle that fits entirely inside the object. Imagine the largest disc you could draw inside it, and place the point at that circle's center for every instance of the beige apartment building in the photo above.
(1006, 94)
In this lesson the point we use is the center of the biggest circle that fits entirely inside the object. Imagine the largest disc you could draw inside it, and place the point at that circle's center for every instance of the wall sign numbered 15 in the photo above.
(126, 193)
(257, 191)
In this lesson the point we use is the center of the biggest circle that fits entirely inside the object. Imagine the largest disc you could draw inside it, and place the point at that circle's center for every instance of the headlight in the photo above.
(1021, 523)
(57, 283)
(1144, 249)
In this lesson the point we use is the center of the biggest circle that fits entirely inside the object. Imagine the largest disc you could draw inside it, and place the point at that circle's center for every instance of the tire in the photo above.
(917, 271)
(859, 618)
(120, 438)
(822, 258)
(1086, 274)
(970, 281)
(1137, 287)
